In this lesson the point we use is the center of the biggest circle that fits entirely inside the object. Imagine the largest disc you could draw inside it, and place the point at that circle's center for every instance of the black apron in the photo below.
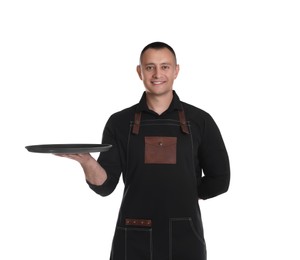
(159, 218)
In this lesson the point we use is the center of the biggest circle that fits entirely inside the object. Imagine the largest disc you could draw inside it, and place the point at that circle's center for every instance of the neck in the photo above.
(159, 103)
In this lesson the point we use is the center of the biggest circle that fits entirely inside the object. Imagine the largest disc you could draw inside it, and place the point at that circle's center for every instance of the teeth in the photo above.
(157, 82)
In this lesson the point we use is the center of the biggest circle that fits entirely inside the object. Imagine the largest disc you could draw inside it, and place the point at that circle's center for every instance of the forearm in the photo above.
(94, 173)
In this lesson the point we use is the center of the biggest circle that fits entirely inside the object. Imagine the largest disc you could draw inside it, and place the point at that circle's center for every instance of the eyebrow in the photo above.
(163, 63)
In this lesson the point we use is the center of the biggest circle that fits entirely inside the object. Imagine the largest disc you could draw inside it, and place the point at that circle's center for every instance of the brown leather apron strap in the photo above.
(182, 120)
(137, 121)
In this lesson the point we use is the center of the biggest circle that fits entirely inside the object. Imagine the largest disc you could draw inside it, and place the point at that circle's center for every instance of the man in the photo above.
(170, 155)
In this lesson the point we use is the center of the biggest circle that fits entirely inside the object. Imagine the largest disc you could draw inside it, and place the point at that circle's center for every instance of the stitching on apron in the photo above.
(182, 121)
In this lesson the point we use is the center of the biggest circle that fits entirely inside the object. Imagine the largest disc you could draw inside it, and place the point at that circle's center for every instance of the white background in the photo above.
(67, 65)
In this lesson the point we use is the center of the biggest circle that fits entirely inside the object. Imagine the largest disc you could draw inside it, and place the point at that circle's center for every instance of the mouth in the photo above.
(157, 82)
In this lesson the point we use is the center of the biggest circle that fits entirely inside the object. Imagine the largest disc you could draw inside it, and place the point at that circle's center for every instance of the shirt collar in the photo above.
(175, 104)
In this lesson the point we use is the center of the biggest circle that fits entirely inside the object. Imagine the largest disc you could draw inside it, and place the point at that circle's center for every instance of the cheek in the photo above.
(142, 76)
(147, 76)
(173, 76)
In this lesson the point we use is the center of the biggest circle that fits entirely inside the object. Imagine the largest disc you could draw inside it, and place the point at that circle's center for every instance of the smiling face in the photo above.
(158, 70)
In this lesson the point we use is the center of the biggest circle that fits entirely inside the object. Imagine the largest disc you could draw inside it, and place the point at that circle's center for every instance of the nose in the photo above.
(156, 73)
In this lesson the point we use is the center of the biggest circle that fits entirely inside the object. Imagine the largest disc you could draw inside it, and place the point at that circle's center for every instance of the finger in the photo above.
(70, 156)
(58, 154)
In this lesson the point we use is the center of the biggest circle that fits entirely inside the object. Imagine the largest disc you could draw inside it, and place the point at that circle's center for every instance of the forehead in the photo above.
(163, 55)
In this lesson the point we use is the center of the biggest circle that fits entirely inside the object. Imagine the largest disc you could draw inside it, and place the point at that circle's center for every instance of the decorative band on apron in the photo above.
(182, 120)
(138, 222)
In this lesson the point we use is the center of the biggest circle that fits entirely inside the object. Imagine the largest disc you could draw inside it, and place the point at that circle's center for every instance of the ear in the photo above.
(176, 71)
(139, 71)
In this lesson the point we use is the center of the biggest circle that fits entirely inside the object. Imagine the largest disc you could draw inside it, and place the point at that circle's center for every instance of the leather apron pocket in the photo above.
(132, 244)
(185, 242)
(160, 150)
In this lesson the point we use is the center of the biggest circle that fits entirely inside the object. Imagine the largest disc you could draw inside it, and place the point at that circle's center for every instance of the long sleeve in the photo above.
(110, 161)
(214, 162)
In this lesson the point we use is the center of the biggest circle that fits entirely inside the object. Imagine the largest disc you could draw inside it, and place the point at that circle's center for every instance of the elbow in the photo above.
(226, 184)
(102, 191)
(212, 187)
(105, 189)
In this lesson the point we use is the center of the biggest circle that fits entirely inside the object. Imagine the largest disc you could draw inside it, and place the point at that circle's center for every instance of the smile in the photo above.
(157, 82)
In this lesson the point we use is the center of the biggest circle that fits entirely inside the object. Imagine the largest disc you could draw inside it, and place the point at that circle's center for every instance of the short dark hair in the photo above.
(157, 46)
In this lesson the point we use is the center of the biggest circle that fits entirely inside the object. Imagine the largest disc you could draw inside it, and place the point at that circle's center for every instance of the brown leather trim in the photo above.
(138, 222)
(160, 149)
(182, 120)
(137, 121)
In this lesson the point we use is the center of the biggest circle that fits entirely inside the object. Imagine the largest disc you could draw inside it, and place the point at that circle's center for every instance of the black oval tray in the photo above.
(68, 148)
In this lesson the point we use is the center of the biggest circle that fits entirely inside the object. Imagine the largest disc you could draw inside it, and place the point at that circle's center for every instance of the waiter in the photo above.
(170, 155)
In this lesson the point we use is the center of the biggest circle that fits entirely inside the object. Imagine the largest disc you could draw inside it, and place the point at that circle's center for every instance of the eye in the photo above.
(149, 67)
(165, 67)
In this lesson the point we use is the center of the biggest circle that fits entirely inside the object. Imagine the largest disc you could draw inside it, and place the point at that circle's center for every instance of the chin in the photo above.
(159, 92)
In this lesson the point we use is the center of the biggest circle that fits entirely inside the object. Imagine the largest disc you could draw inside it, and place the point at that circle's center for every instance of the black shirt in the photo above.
(210, 155)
